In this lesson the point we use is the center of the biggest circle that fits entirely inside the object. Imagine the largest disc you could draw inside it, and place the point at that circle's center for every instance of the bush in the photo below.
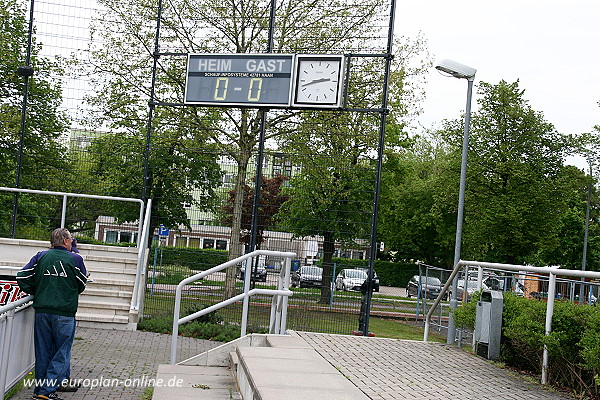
(192, 258)
(209, 326)
(573, 344)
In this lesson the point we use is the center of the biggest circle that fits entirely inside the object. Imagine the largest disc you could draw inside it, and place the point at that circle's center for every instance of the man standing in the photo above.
(55, 277)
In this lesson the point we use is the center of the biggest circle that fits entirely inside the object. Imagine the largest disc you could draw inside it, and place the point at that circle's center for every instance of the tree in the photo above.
(523, 205)
(44, 158)
(180, 173)
(515, 191)
(418, 213)
(271, 199)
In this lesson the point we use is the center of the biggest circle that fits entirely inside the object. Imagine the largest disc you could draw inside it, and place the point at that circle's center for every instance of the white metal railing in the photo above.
(140, 282)
(279, 303)
(87, 196)
(142, 236)
(16, 350)
(553, 272)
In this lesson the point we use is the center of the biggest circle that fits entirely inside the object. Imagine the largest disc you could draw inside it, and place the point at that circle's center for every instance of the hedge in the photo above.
(192, 258)
(573, 344)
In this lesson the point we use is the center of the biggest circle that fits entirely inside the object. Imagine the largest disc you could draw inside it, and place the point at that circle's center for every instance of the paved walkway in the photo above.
(412, 370)
(121, 364)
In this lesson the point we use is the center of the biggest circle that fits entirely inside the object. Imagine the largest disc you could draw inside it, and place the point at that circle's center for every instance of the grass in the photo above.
(15, 389)
(397, 329)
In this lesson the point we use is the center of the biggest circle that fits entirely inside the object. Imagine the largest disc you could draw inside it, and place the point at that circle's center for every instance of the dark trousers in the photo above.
(53, 337)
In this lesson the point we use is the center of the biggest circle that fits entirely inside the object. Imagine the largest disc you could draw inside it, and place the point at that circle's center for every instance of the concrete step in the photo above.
(95, 317)
(291, 373)
(183, 382)
(89, 250)
(106, 296)
(102, 281)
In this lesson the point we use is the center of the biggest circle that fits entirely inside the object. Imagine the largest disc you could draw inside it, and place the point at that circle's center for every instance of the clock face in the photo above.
(318, 81)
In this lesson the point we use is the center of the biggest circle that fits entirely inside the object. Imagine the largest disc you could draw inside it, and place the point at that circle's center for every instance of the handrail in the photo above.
(143, 245)
(87, 196)
(278, 307)
(551, 271)
(15, 304)
(7, 312)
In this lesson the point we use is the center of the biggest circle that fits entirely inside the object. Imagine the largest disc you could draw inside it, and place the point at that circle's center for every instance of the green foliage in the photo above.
(573, 343)
(464, 315)
(192, 258)
(209, 326)
(43, 161)
(522, 205)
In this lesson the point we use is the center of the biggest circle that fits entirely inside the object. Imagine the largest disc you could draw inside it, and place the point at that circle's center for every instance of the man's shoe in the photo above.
(51, 396)
(69, 386)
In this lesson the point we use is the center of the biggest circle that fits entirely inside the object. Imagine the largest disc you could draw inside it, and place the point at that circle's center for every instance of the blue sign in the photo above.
(162, 231)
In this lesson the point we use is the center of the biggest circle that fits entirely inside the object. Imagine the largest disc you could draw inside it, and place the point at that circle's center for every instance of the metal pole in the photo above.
(63, 217)
(151, 103)
(381, 143)
(548, 328)
(26, 72)
(461, 205)
(261, 151)
(585, 238)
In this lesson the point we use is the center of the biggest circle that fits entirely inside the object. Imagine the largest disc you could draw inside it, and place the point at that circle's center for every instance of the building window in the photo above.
(221, 244)
(111, 236)
(208, 243)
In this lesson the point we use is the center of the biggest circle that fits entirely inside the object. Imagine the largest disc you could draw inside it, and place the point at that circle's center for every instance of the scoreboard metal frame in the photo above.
(259, 80)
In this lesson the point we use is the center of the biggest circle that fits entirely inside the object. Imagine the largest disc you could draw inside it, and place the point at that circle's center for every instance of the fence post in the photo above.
(6, 350)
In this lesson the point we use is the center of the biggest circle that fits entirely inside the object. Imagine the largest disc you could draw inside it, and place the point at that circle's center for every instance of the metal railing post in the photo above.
(137, 289)
(63, 217)
(6, 350)
(246, 304)
(286, 286)
(175, 330)
(548, 327)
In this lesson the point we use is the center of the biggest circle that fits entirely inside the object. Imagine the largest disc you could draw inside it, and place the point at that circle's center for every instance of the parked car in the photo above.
(471, 288)
(375, 277)
(350, 279)
(307, 276)
(259, 272)
(430, 287)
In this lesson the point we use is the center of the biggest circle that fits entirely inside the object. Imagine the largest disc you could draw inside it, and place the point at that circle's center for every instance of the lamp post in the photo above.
(585, 236)
(460, 71)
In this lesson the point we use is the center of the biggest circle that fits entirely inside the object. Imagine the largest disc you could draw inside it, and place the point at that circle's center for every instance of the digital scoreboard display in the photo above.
(251, 80)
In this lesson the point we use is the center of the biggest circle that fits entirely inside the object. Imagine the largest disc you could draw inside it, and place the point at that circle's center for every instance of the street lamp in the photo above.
(460, 71)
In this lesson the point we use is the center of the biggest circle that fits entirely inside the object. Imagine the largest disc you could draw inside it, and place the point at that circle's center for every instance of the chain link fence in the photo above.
(103, 114)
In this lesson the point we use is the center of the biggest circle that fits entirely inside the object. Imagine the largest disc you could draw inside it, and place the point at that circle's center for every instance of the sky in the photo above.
(552, 47)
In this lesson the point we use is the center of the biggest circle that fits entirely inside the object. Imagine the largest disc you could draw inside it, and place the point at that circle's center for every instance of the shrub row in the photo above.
(194, 259)
(573, 344)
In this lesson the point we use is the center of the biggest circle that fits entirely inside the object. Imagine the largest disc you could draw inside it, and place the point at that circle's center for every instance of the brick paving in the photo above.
(130, 358)
(384, 369)
(388, 369)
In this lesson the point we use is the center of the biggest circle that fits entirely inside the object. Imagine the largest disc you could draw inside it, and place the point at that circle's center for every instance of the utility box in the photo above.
(488, 324)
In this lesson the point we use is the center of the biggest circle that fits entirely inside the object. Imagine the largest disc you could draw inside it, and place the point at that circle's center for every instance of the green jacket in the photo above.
(55, 277)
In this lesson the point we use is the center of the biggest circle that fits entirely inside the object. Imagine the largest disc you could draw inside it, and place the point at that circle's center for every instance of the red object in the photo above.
(359, 333)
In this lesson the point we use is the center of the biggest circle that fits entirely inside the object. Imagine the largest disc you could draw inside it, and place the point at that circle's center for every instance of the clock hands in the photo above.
(317, 81)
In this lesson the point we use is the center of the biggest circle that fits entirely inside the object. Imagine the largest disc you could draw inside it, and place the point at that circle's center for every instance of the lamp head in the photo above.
(456, 69)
